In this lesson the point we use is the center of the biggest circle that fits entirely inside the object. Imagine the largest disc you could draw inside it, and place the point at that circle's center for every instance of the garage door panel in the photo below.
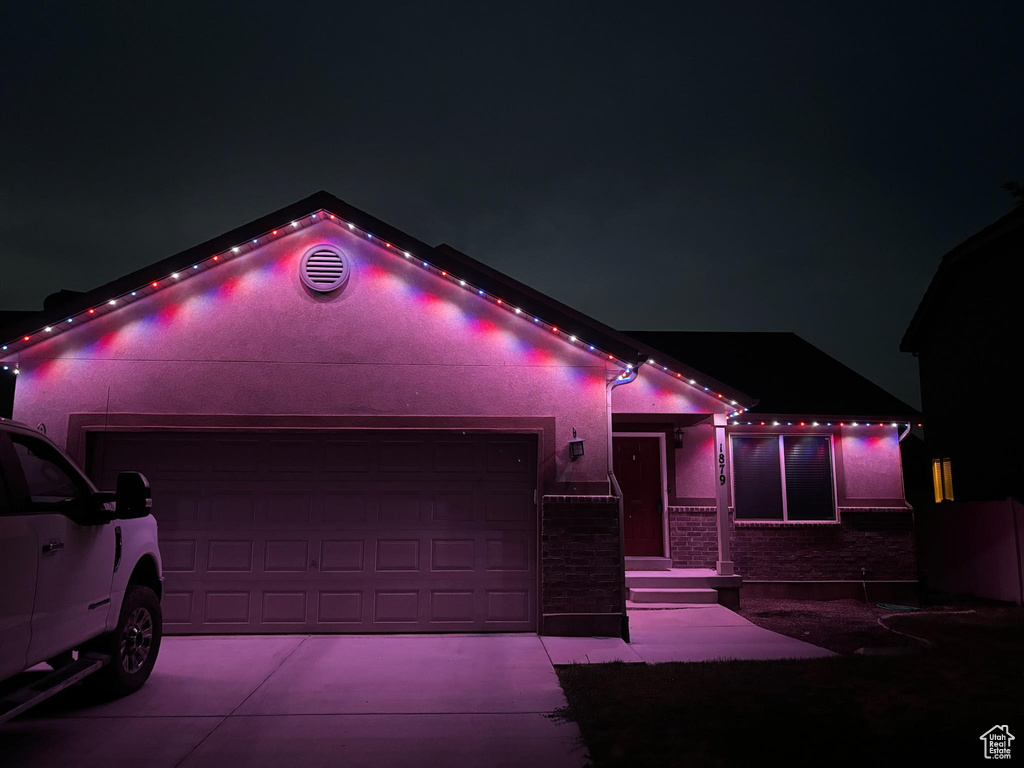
(291, 507)
(452, 606)
(231, 555)
(509, 457)
(505, 506)
(178, 555)
(294, 455)
(509, 553)
(507, 606)
(404, 456)
(349, 456)
(342, 554)
(340, 607)
(283, 607)
(455, 457)
(399, 508)
(281, 556)
(178, 508)
(453, 506)
(397, 555)
(177, 608)
(323, 532)
(230, 509)
(235, 455)
(228, 606)
(344, 507)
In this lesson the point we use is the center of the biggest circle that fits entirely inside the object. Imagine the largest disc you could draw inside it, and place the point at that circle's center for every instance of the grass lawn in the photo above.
(849, 710)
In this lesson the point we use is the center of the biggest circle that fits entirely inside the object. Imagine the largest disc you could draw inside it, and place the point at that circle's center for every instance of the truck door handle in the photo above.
(53, 546)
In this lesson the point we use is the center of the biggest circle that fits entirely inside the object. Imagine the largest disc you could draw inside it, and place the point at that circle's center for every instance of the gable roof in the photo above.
(266, 228)
(787, 374)
(21, 330)
(1000, 236)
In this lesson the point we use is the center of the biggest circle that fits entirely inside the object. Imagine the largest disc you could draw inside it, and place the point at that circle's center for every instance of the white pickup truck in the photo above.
(80, 571)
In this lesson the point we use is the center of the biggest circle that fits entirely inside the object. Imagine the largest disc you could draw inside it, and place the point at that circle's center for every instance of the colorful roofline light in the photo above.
(295, 225)
(891, 424)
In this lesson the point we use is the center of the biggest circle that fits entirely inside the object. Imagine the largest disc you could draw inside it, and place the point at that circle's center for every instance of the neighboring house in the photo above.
(966, 335)
(348, 430)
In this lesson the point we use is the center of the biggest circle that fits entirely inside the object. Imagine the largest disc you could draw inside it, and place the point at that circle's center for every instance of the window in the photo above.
(784, 478)
(51, 482)
(942, 480)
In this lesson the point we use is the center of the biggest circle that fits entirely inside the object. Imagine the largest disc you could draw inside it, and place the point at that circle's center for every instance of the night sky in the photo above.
(676, 167)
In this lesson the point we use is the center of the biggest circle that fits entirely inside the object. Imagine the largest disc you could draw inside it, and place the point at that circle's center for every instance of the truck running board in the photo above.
(18, 701)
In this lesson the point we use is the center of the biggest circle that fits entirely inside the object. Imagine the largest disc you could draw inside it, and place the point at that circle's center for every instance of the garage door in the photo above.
(346, 531)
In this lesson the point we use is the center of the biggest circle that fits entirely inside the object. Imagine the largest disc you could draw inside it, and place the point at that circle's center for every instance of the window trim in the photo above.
(782, 469)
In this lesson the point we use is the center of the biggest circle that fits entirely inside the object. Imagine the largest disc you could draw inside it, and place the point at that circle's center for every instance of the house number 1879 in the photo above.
(721, 465)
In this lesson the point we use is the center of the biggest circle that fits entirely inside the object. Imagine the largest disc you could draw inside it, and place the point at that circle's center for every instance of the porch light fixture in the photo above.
(575, 446)
(679, 437)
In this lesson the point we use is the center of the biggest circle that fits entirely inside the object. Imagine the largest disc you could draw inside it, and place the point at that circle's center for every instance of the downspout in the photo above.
(905, 433)
(617, 491)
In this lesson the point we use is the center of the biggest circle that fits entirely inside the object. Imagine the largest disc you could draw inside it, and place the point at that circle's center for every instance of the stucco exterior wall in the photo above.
(872, 466)
(654, 391)
(695, 467)
(248, 338)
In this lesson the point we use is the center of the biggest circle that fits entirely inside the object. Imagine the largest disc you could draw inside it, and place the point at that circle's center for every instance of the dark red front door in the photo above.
(638, 469)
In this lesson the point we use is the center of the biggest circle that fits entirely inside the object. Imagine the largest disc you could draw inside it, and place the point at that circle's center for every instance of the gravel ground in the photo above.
(842, 626)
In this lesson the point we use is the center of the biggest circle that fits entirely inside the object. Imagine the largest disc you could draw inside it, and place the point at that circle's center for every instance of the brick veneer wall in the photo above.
(693, 537)
(580, 556)
(881, 541)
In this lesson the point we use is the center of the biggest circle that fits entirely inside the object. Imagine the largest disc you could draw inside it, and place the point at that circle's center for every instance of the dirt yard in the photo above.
(842, 626)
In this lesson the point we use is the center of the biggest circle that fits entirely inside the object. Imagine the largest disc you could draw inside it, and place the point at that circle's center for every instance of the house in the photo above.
(966, 336)
(349, 430)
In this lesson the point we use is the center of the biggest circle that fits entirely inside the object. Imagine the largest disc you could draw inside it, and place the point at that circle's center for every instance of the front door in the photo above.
(638, 469)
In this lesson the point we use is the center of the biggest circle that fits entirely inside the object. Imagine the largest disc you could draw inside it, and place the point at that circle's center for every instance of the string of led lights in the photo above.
(819, 424)
(247, 246)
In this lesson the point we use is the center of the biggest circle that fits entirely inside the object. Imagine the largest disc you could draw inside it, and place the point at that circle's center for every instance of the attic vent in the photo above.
(324, 268)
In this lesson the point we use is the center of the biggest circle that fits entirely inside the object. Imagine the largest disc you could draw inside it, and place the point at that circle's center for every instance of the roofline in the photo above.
(836, 418)
(159, 270)
(442, 257)
(997, 229)
(573, 325)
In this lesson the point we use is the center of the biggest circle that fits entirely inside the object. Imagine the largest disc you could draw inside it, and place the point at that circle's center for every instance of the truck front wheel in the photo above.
(134, 645)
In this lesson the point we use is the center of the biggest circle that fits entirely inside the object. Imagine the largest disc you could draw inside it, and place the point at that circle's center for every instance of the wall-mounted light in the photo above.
(575, 446)
(679, 437)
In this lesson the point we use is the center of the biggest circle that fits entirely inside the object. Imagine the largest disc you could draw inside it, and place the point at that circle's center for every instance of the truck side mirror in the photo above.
(133, 497)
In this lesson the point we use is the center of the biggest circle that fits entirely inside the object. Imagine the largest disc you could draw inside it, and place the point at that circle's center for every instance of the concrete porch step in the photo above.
(651, 595)
(682, 578)
(637, 563)
(633, 606)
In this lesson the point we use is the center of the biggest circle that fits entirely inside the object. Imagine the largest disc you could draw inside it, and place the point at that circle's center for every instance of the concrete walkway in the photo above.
(451, 700)
(691, 633)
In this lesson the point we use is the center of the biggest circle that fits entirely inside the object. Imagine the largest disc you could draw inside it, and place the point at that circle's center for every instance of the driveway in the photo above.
(452, 700)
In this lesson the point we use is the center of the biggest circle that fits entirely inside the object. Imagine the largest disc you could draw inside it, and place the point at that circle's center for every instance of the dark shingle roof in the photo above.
(785, 373)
